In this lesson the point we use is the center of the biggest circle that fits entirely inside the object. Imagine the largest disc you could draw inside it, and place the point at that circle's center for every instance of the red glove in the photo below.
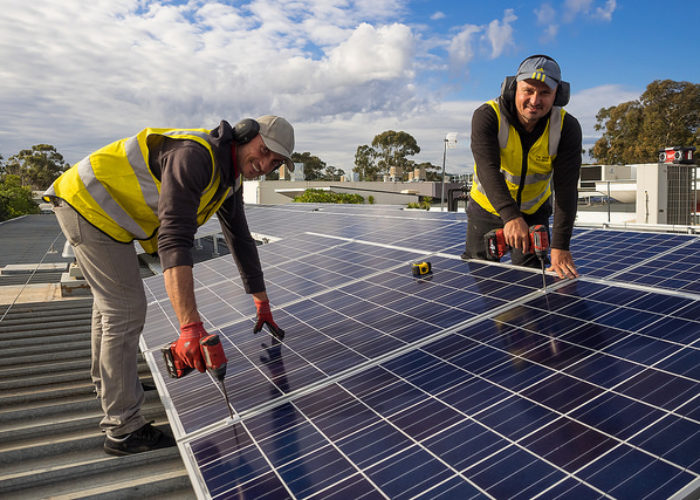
(264, 317)
(187, 346)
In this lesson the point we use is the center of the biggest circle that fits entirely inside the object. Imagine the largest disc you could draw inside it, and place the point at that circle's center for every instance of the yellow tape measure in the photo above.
(421, 268)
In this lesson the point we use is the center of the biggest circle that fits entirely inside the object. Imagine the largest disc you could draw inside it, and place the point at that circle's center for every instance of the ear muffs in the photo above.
(508, 88)
(563, 94)
(560, 99)
(245, 130)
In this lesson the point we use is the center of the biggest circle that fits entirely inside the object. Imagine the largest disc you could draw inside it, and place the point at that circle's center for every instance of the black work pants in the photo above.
(480, 222)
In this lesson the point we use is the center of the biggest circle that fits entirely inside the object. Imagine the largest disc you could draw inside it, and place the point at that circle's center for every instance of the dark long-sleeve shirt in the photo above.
(184, 168)
(565, 167)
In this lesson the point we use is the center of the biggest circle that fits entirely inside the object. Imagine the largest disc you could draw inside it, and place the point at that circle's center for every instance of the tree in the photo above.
(365, 165)
(313, 165)
(332, 174)
(393, 148)
(15, 199)
(37, 167)
(666, 114)
(432, 172)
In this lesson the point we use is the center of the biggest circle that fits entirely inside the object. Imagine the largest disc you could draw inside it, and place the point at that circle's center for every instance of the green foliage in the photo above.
(370, 200)
(15, 199)
(392, 148)
(37, 167)
(365, 163)
(313, 165)
(666, 114)
(432, 172)
(332, 174)
(424, 204)
(388, 149)
(319, 196)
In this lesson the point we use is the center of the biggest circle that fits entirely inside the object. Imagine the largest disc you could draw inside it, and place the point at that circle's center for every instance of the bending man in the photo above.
(158, 187)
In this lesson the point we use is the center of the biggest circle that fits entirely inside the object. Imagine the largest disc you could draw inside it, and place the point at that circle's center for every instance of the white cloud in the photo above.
(79, 75)
(109, 68)
(584, 105)
(605, 13)
(371, 54)
(547, 17)
(496, 37)
(460, 48)
(438, 15)
(500, 33)
(572, 8)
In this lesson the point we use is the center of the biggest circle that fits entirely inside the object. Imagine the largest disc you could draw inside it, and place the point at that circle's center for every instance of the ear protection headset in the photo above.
(245, 130)
(563, 89)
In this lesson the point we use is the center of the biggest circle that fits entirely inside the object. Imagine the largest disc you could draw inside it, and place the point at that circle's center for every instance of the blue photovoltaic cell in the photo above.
(471, 383)
(570, 423)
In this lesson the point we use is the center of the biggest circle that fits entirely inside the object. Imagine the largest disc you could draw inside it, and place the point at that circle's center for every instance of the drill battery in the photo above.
(176, 368)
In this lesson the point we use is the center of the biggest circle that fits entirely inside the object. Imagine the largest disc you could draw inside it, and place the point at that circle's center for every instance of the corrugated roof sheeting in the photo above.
(50, 442)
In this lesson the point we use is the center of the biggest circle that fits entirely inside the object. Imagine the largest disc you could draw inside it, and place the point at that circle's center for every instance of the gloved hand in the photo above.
(264, 317)
(187, 346)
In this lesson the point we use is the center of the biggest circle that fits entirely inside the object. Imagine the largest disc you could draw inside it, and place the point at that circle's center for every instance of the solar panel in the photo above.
(473, 383)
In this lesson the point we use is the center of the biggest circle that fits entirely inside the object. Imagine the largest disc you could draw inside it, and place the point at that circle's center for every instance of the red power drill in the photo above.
(496, 247)
(214, 359)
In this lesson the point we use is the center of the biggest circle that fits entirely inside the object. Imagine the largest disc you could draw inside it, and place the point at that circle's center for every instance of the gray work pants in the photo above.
(118, 315)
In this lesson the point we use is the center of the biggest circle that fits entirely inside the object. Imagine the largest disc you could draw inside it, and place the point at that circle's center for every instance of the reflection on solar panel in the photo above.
(473, 383)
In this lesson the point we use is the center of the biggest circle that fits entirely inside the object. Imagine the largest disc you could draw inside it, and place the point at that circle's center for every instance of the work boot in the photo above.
(146, 438)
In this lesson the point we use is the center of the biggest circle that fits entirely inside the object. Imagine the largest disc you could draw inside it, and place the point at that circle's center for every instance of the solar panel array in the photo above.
(473, 383)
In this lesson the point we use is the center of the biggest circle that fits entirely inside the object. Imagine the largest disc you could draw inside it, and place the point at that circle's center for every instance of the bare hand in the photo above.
(563, 263)
(517, 234)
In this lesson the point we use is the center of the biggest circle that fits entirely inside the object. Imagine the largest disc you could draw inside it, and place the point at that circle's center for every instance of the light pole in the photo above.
(449, 140)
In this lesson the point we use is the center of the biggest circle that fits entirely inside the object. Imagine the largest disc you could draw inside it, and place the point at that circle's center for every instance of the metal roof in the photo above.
(50, 442)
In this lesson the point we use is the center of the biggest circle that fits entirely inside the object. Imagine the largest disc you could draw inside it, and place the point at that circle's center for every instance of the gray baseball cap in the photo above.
(278, 135)
(540, 68)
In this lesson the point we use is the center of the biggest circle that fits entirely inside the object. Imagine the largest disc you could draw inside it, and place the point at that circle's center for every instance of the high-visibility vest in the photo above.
(115, 190)
(536, 188)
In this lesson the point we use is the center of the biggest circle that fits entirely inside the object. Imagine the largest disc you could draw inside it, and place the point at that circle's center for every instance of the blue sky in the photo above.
(81, 74)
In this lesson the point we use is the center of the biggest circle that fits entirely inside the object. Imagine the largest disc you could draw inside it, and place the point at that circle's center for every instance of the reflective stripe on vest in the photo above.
(114, 188)
(536, 185)
(106, 202)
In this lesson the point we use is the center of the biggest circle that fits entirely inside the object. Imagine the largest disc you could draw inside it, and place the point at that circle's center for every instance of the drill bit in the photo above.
(228, 403)
(544, 279)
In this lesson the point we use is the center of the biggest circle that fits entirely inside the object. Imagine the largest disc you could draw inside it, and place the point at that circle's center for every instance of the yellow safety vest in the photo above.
(536, 189)
(115, 190)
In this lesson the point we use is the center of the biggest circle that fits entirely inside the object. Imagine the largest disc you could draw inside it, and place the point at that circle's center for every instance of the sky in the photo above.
(80, 74)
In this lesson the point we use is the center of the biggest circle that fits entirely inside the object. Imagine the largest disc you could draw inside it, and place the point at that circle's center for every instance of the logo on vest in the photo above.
(542, 158)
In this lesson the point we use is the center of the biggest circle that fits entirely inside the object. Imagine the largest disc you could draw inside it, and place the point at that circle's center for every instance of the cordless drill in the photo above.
(539, 243)
(496, 246)
(214, 359)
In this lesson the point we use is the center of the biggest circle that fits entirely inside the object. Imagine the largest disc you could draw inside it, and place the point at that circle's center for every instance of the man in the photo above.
(522, 141)
(158, 187)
